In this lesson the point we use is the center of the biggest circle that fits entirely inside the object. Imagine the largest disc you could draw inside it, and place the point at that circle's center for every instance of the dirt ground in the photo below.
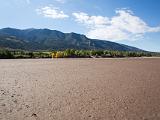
(80, 89)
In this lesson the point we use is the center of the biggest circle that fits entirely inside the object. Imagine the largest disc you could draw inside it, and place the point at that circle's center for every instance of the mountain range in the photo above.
(46, 39)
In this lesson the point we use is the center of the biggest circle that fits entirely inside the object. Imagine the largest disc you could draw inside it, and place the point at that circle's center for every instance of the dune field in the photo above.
(80, 89)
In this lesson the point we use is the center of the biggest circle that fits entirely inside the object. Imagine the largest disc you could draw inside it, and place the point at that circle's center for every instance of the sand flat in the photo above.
(80, 89)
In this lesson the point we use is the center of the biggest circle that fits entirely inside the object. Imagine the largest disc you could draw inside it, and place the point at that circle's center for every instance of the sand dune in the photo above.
(80, 89)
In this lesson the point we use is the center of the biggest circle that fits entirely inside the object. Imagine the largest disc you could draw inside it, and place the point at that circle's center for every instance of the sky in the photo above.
(131, 22)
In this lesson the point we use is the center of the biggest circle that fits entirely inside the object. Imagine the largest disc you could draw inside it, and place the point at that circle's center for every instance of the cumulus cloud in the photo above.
(51, 12)
(91, 20)
(124, 26)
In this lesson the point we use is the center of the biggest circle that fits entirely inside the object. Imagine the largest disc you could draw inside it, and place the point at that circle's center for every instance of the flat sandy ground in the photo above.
(80, 89)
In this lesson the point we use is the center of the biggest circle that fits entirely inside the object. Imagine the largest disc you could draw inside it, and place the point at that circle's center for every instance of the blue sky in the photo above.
(131, 22)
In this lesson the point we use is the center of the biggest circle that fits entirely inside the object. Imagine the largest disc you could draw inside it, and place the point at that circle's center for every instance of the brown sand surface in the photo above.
(80, 89)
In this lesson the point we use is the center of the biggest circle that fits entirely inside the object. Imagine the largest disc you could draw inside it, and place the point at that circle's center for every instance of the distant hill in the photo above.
(45, 39)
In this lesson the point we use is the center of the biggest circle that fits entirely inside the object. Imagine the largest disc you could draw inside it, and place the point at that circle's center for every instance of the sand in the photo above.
(80, 89)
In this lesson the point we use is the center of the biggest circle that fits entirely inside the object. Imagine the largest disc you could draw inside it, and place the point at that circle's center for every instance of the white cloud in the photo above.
(51, 12)
(91, 20)
(124, 26)
(107, 33)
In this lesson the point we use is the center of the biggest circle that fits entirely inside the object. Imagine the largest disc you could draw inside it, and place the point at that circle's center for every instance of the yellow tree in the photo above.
(53, 55)
(59, 54)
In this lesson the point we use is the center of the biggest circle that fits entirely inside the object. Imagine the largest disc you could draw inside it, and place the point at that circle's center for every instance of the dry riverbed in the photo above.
(80, 89)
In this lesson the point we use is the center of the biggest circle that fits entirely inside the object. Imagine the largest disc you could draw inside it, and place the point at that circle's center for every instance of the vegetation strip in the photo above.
(72, 53)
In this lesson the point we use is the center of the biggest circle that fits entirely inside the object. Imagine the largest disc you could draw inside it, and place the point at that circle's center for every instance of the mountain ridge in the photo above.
(46, 39)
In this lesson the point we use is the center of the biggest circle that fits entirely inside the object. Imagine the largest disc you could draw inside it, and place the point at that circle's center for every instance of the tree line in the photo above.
(72, 53)
(18, 54)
